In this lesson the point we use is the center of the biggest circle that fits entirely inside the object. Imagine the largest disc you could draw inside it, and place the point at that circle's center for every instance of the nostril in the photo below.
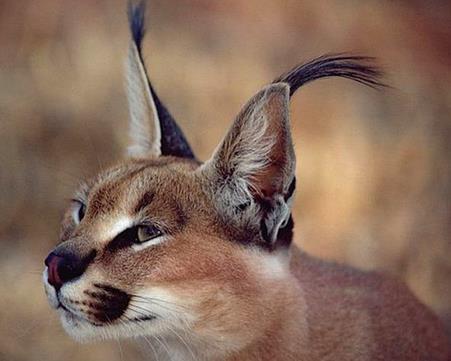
(66, 267)
(53, 263)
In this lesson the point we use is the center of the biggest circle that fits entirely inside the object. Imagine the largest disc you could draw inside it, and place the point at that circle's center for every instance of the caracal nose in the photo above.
(53, 269)
(65, 267)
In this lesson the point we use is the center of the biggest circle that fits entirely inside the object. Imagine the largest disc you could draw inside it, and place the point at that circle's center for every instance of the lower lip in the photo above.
(68, 314)
(60, 305)
(72, 319)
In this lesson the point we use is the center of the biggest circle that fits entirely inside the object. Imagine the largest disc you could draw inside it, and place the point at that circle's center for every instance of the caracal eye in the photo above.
(146, 233)
(78, 210)
(144, 236)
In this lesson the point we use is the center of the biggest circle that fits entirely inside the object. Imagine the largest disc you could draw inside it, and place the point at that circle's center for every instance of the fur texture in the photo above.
(196, 259)
(172, 141)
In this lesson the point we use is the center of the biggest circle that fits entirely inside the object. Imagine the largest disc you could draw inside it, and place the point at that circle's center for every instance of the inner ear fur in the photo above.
(253, 167)
(145, 132)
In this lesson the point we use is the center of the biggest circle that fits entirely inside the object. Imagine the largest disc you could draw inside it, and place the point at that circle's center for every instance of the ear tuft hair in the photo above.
(136, 21)
(172, 141)
(358, 68)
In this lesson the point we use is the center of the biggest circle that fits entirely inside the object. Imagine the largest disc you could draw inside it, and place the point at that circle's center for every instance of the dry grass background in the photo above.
(374, 170)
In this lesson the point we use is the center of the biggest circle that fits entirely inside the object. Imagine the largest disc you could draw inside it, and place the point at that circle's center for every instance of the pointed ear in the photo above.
(153, 131)
(253, 168)
(145, 132)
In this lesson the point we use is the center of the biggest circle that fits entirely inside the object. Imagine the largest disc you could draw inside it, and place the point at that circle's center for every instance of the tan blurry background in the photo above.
(374, 169)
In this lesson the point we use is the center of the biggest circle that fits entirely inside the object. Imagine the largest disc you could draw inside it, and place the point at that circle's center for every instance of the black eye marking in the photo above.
(123, 239)
(134, 235)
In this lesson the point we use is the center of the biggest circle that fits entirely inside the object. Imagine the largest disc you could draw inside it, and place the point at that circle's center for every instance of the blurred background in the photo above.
(374, 168)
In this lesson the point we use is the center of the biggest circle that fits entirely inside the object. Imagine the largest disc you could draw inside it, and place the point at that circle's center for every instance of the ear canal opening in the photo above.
(277, 214)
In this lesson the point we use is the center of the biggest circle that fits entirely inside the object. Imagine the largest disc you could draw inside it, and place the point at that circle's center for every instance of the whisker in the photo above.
(158, 300)
(164, 346)
(140, 308)
(121, 355)
(152, 347)
(177, 310)
(173, 310)
(137, 309)
(140, 312)
(148, 341)
(183, 341)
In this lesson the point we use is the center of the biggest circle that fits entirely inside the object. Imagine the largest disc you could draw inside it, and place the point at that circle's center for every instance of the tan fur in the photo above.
(222, 282)
(241, 305)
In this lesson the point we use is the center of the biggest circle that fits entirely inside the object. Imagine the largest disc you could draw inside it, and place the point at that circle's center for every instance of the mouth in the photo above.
(72, 317)
(101, 305)
(100, 311)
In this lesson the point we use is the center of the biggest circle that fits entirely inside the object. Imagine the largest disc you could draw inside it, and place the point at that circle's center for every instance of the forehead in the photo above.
(130, 186)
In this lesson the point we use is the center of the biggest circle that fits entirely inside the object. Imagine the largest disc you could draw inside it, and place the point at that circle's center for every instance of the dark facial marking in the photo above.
(142, 318)
(102, 200)
(145, 200)
(108, 304)
(122, 240)
(182, 218)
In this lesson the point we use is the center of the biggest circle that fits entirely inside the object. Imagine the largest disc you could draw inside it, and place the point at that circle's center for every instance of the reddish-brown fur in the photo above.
(314, 311)
(221, 281)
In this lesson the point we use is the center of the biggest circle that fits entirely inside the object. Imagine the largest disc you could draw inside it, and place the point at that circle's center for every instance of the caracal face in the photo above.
(156, 255)
(162, 243)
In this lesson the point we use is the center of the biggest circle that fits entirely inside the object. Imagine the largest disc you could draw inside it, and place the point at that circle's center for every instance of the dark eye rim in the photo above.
(129, 237)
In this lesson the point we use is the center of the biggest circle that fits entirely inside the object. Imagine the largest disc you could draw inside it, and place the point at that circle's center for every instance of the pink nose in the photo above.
(65, 266)
(53, 263)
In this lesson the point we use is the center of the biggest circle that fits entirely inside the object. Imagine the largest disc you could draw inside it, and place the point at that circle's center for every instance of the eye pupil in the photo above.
(81, 212)
(146, 233)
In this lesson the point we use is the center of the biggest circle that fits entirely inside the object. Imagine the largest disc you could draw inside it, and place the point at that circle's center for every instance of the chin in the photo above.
(84, 331)
(80, 330)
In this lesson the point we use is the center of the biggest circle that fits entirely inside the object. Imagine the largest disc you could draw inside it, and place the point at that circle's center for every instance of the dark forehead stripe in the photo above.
(143, 202)
(104, 197)
(182, 217)
(102, 200)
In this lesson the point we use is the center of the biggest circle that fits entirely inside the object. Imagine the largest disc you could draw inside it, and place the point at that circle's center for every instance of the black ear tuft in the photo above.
(357, 68)
(136, 20)
(173, 141)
